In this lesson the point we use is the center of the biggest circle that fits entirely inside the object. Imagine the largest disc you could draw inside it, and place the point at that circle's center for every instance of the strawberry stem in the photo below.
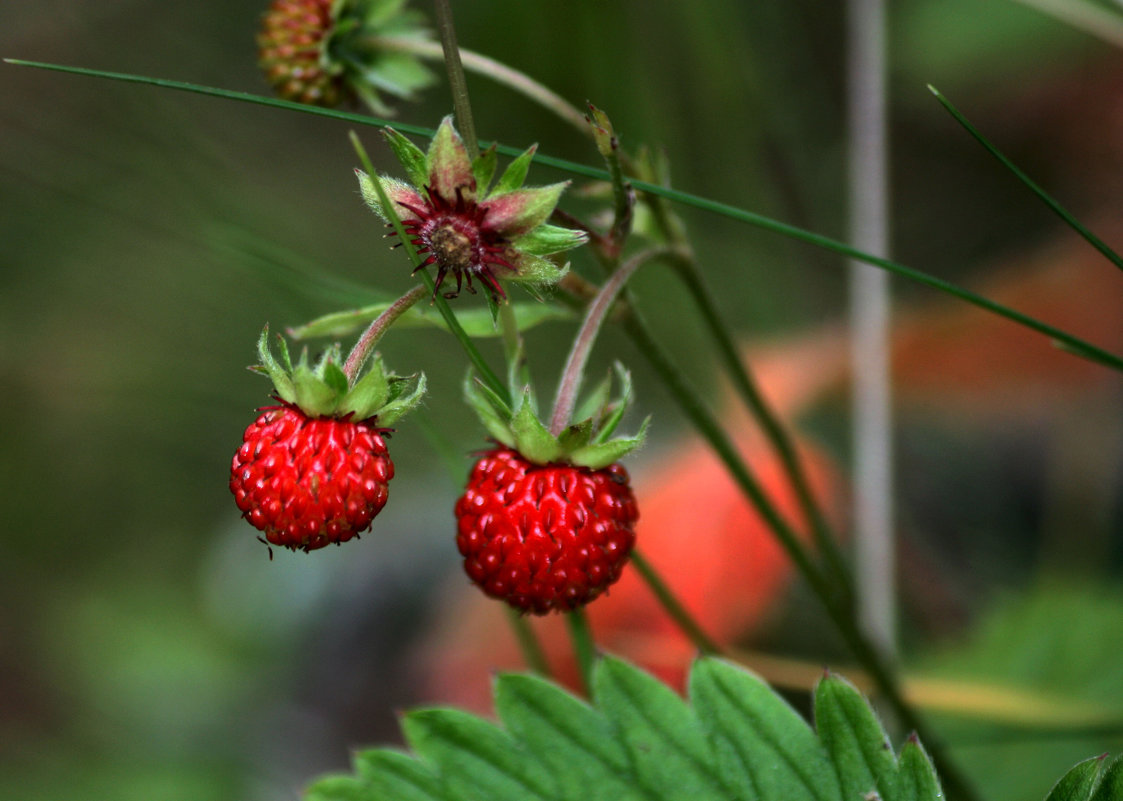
(531, 648)
(362, 350)
(574, 369)
(583, 647)
(672, 606)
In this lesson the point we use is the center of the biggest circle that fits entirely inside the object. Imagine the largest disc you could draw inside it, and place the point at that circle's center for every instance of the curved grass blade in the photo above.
(1044, 196)
(1065, 340)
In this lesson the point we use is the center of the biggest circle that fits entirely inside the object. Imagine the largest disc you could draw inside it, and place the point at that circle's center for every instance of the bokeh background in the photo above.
(148, 646)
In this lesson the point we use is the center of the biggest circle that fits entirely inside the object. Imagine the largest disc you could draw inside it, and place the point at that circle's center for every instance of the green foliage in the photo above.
(733, 739)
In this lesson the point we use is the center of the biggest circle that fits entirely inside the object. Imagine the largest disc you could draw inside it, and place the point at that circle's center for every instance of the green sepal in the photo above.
(576, 436)
(412, 157)
(392, 187)
(369, 393)
(613, 412)
(534, 270)
(277, 373)
(592, 407)
(532, 439)
(493, 413)
(483, 168)
(334, 377)
(603, 132)
(405, 394)
(493, 310)
(548, 239)
(522, 210)
(515, 173)
(602, 454)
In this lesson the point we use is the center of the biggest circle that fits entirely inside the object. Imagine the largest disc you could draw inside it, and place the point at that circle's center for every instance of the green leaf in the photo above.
(670, 754)
(855, 740)
(1079, 783)
(476, 322)
(476, 759)
(917, 779)
(396, 776)
(410, 155)
(574, 741)
(768, 750)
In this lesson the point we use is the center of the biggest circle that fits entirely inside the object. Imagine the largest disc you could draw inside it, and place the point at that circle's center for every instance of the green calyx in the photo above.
(586, 443)
(323, 389)
(366, 46)
(500, 215)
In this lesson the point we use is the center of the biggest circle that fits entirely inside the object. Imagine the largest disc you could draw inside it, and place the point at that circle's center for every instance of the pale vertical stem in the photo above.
(869, 303)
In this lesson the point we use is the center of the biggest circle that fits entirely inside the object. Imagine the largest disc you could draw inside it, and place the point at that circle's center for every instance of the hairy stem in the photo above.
(574, 370)
(362, 350)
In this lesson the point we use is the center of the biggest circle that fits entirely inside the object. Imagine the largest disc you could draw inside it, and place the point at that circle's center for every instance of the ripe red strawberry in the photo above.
(308, 482)
(314, 469)
(544, 538)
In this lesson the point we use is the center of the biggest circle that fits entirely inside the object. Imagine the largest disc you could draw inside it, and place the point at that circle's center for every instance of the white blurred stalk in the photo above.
(1083, 16)
(875, 551)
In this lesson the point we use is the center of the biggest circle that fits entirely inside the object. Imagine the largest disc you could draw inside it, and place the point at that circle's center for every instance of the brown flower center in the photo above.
(452, 248)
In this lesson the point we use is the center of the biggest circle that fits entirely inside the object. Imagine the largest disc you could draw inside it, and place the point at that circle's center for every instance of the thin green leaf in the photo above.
(574, 741)
(515, 173)
(674, 195)
(855, 740)
(413, 159)
(767, 746)
(916, 779)
(396, 776)
(670, 754)
(1044, 196)
(476, 322)
(1079, 783)
(475, 758)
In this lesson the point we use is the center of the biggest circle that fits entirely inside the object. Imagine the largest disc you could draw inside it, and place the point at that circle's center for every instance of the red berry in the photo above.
(544, 538)
(290, 51)
(310, 481)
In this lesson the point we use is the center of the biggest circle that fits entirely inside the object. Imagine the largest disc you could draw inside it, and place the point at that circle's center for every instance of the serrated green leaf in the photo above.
(515, 173)
(475, 758)
(574, 741)
(396, 776)
(1079, 783)
(916, 777)
(410, 155)
(339, 788)
(774, 753)
(1111, 785)
(857, 744)
(670, 754)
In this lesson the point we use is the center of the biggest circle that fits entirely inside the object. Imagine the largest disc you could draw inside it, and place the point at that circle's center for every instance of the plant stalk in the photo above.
(673, 607)
(457, 84)
(362, 349)
(583, 648)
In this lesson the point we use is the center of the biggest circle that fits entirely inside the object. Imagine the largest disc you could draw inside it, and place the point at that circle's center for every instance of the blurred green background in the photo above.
(148, 647)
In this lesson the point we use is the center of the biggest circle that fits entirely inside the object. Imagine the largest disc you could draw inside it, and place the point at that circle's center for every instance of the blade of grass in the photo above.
(1045, 197)
(1065, 340)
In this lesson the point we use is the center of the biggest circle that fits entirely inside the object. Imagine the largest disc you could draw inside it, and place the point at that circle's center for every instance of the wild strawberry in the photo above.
(325, 52)
(314, 469)
(308, 482)
(544, 537)
(547, 522)
(466, 227)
